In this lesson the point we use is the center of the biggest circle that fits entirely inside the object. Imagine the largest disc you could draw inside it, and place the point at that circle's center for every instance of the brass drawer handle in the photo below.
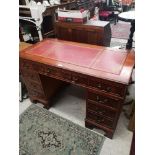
(75, 79)
(101, 112)
(34, 93)
(98, 99)
(101, 101)
(27, 66)
(100, 120)
(108, 89)
(47, 71)
(99, 86)
(105, 100)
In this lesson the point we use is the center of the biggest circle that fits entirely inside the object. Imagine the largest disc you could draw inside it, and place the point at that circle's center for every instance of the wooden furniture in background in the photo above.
(129, 17)
(49, 17)
(103, 72)
(93, 32)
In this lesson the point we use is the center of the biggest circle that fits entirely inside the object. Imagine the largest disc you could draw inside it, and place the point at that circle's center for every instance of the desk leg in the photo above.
(130, 40)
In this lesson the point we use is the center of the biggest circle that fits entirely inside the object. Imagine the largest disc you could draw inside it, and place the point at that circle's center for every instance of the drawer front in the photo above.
(25, 64)
(100, 110)
(36, 94)
(33, 85)
(30, 75)
(62, 74)
(53, 72)
(105, 100)
(103, 121)
(108, 87)
(79, 79)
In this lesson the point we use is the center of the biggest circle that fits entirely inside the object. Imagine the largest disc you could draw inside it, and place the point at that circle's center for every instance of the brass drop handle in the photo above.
(48, 71)
(98, 99)
(100, 120)
(101, 112)
(108, 89)
(75, 79)
(105, 100)
(99, 85)
(27, 66)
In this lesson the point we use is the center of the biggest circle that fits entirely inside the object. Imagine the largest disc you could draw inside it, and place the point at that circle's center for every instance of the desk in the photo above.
(103, 72)
(129, 17)
(92, 32)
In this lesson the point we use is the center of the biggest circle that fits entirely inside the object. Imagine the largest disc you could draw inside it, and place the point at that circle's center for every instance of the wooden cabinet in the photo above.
(92, 32)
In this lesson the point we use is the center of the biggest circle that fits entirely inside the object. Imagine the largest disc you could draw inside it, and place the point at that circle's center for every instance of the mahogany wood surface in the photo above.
(104, 72)
(92, 32)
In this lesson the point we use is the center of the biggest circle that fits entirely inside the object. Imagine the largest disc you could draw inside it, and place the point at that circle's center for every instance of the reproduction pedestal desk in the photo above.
(104, 72)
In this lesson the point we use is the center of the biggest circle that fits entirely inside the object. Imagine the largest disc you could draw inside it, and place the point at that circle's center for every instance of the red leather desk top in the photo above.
(83, 58)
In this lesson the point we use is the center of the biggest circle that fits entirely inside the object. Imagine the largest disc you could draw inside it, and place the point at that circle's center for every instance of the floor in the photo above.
(71, 105)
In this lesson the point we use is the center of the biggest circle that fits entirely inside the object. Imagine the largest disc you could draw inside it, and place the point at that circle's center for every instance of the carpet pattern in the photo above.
(120, 30)
(44, 133)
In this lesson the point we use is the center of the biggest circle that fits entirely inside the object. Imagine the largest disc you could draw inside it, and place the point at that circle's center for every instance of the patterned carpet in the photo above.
(44, 133)
(121, 30)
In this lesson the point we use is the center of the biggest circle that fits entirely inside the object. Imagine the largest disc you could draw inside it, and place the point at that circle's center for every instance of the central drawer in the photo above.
(73, 77)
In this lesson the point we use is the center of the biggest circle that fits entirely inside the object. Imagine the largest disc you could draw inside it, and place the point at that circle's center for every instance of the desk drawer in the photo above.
(79, 79)
(53, 72)
(105, 100)
(30, 75)
(33, 85)
(36, 94)
(100, 110)
(100, 119)
(108, 87)
(25, 64)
